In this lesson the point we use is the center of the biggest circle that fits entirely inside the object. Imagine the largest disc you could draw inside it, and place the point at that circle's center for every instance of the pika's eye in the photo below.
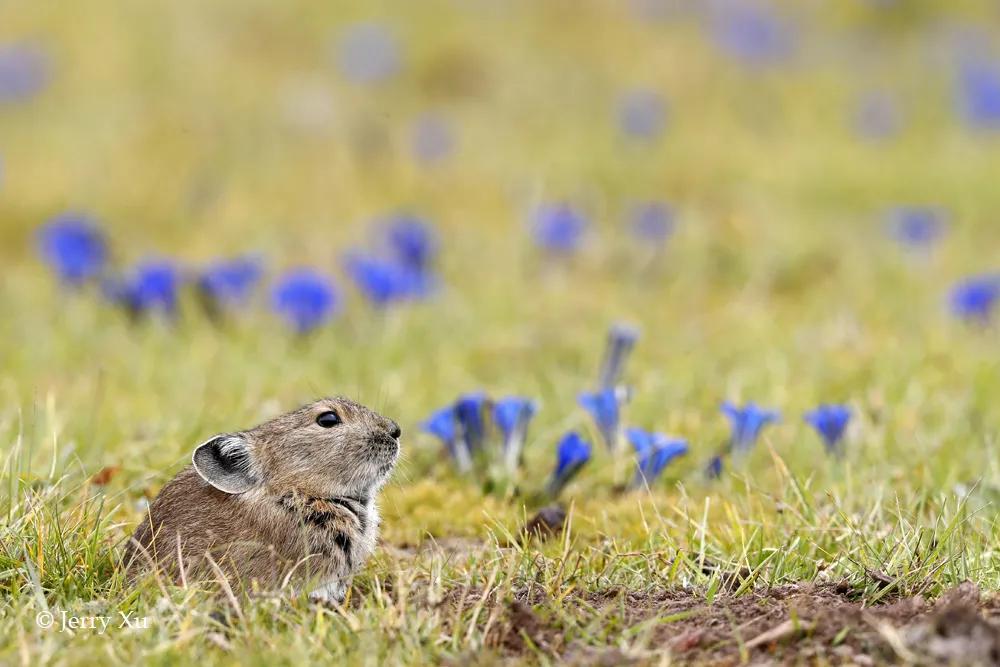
(328, 419)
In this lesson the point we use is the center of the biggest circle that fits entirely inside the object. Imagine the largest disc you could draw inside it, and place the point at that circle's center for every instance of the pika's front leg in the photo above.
(334, 591)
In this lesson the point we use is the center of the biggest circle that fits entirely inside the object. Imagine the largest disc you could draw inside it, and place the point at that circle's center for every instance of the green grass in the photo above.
(171, 122)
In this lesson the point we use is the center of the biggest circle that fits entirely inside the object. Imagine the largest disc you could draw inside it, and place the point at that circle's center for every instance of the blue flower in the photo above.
(830, 421)
(653, 452)
(229, 283)
(974, 298)
(151, 286)
(412, 242)
(74, 247)
(714, 468)
(603, 407)
(572, 453)
(512, 416)
(621, 340)
(559, 228)
(24, 71)
(470, 413)
(305, 299)
(381, 282)
(652, 222)
(369, 53)
(979, 92)
(877, 116)
(642, 114)
(432, 139)
(747, 422)
(753, 32)
(444, 425)
(916, 226)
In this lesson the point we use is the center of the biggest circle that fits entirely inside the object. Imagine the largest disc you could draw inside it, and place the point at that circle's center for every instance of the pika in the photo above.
(291, 500)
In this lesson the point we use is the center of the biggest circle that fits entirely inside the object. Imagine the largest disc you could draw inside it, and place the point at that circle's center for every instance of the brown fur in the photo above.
(307, 516)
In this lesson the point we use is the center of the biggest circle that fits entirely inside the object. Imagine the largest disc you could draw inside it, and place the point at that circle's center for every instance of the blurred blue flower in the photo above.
(432, 139)
(978, 94)
(653, 452)
(572, 453)
(305, 299)
(559, 228)
(470, 412)
(512, 416)
(368, 53)
(830, 421)
(747, 422)
(382, 282)
(412, 242)
(604, 408)
(24, 71)
(714, 468)
(752, 32)
(621, 339)
(151, 286)
(916, 226)
(229, 283)
(74, 247)
(652, 222)
(974, 298)
(444, 425)
(642, 114)
(877, 115)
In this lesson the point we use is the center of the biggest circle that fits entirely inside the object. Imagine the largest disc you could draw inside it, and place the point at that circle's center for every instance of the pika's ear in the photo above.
(226, 463)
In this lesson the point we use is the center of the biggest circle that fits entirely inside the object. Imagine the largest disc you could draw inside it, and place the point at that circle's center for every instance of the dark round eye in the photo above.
(328, 419)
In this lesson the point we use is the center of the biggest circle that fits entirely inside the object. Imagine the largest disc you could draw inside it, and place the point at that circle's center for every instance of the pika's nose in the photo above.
(394, 430)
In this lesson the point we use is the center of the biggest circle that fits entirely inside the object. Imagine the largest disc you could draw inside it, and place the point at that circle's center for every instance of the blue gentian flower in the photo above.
(444, 425)
(604, 408)
(382, 282)
(830, 421)
(412, 242)
(877, 116)
(572, 453)
(747, 422)
(432, 139)
(470, 412)
(974, 298)
(621, 340)
(714, 468)
(151, 286)
(559, 229)
(24, 71)
(512, 416)
(979, 92)
(305, 299)
(642, 114)
(652, 222)
(753, 32)
(653, 452)
(74, 247)
(369, 53)
(229, 283)
(916, 226)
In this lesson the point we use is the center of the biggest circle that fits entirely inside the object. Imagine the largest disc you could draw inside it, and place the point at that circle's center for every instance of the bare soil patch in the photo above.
(796, 624)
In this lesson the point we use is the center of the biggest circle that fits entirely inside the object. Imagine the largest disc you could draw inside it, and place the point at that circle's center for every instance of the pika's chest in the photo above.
(335, 527)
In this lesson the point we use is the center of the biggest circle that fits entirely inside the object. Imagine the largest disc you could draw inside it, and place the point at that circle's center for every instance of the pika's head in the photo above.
(329, 448)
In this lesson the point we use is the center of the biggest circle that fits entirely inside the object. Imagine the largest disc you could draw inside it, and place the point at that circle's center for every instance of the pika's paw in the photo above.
(331, 594)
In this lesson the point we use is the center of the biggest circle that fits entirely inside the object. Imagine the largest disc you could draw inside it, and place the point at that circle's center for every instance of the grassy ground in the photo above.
(196, 130)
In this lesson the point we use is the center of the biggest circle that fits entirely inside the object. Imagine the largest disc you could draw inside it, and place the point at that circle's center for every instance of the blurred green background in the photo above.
(196, 130)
